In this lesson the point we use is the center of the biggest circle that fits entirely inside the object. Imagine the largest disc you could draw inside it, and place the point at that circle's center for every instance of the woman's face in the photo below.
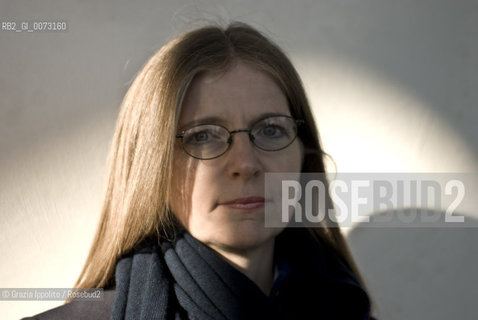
(202, 190)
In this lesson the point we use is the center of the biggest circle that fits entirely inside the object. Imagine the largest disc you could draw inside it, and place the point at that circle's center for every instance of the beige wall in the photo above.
(393, 85)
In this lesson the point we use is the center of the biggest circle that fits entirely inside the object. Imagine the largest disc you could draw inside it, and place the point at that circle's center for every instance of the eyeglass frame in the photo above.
(251, 137)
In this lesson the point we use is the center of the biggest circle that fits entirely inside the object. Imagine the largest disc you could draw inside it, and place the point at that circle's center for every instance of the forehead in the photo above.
(239, 95)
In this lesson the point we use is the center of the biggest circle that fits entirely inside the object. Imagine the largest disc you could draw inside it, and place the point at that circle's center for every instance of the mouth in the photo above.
(248, 203)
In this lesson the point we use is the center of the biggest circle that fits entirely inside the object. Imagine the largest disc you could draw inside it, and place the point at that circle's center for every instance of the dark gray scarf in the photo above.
(185, 279)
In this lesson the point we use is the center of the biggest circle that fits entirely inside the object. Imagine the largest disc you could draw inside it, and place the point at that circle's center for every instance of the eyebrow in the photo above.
(221, 121)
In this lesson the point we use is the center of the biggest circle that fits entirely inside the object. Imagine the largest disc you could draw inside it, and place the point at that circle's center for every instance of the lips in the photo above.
(247, 203)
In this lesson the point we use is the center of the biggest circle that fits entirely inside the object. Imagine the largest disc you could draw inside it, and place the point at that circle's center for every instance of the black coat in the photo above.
(80, 309)
(297, 296)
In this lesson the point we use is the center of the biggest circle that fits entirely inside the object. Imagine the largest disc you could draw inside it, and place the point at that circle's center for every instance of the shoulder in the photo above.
(80, 309)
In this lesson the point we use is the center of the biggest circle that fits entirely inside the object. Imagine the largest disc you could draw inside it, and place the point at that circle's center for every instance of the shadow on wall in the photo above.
(419, 273)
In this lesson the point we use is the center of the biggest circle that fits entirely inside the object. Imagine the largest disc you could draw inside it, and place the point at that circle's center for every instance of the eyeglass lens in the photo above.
(210, 141)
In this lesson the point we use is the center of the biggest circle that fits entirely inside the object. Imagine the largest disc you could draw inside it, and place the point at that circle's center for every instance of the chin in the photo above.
(243, 237)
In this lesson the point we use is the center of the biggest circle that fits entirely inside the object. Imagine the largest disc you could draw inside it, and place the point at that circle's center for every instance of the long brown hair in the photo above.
(140, 161)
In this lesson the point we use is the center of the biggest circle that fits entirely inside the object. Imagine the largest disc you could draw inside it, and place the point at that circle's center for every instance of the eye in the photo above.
(198, 137)
(205, 135)
(271, 131)
(201, 136)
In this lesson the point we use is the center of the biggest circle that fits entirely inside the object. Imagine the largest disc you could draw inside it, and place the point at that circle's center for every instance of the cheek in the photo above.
(301, 153)
(191, 188)
(204, 188)
(181, 186)
(290, 159)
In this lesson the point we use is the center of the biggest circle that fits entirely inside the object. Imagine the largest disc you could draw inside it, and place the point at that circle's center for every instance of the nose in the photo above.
(242, 158)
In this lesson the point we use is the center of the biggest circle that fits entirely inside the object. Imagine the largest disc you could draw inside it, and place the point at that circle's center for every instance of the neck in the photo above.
(257, 264)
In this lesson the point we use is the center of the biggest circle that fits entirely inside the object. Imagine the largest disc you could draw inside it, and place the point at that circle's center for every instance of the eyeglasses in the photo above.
(209, 141)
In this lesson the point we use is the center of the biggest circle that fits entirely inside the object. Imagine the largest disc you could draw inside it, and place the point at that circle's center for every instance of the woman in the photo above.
(182, 232)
